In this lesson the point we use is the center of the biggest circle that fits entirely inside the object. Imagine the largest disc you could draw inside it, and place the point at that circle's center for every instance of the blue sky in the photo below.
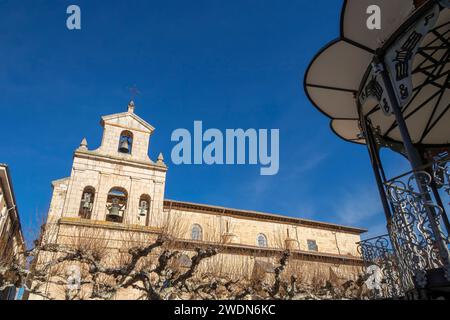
(231, 64)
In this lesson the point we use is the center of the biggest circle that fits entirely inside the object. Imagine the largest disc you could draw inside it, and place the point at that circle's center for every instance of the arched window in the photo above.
(125, 142)
(87, 203)
(196, 233)
(262, 240)
(116, 204)
(144, 207)
(312, 245)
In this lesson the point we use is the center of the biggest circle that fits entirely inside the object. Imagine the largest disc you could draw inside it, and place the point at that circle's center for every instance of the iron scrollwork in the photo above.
(413, 228)
(381, 267)
(441, 175)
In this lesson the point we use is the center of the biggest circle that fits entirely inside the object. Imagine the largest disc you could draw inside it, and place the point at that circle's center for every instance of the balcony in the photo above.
(415, 252)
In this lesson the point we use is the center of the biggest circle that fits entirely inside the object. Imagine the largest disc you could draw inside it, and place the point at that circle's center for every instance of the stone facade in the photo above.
(106, 168)
(245, 227)
(118, 191)
(11, 238)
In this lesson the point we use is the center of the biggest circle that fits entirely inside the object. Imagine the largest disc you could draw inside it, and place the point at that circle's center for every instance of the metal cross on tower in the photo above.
(134, 91)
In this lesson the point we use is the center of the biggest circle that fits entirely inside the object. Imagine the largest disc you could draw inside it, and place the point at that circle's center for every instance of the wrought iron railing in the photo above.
(418, 239)
(418, 228)
(382, 270)
(413, 231)
(441, 175)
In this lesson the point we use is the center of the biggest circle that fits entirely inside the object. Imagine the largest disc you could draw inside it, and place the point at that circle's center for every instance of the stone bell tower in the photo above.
(116, 182)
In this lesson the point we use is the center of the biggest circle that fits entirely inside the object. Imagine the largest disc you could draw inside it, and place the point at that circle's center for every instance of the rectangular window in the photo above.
(312, 245)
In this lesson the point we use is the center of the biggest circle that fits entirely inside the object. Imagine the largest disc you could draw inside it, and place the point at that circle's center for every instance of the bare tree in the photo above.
(157, 267)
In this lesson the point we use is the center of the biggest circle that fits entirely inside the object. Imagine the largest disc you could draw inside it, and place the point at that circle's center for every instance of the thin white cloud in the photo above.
(359, 205)
(311, 162)
(261, 187)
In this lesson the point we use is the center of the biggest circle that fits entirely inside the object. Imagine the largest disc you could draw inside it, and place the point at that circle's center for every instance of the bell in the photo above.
(124, 146)
(143, 209)
(86, 205)
(114, 212)
(87, 201)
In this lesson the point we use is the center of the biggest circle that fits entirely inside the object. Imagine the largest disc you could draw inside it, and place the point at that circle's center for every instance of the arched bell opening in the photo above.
(144, 208)
(126, 142)
(87, 203)
(116, 204)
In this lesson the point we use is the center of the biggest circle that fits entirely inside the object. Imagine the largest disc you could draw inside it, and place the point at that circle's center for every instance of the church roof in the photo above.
(249, 214)
(129, 113)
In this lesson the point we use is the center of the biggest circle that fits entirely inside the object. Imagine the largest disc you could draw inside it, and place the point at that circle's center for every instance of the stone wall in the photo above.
(246, 231)
(91, 171)
(111, 137)
(235, 261)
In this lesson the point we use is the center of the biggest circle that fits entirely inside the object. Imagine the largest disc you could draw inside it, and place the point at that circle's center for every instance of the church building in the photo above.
(118, 189)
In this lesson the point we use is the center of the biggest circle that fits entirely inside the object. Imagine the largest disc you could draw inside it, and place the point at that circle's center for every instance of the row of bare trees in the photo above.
(86, 265)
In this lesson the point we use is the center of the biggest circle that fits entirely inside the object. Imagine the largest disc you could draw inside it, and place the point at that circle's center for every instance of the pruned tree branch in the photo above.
(154, 272)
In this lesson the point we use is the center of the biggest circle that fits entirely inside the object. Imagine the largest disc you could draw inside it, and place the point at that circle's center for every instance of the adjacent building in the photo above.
(11, 238)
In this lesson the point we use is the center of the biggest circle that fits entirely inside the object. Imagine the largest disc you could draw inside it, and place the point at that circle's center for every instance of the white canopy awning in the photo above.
(334, 77)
